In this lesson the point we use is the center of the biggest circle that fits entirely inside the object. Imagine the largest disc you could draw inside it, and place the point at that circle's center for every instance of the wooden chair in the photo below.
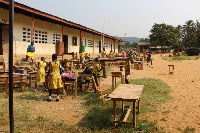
(18, 80)
(2, 63)
(102, 92)
(5, 82)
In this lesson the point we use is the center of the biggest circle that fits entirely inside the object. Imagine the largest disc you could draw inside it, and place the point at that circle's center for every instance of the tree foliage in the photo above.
(164, 35)
(182, 36)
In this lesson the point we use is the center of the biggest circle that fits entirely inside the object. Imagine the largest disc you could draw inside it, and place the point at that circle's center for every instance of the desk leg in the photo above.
(104, 69)
(115, 82)
(31, 81)
(134, 115)
(75, 88)
(114, 110)
(123, 106)
(112, 83)
(64, 92)
(138, 105)
(7, 89)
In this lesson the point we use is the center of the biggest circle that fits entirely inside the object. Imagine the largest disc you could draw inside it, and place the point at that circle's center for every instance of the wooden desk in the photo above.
(114, 76)
(89, 75)
(32, 76)
(129, 93)
(171, 65)
(72, 81)
(105, 61)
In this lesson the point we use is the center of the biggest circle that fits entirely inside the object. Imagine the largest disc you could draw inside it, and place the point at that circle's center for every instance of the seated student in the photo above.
(103, 53)
(40, 75)
(96, 69)
(111, 54)
(127, 70)
(54, 78)
(82, 56)
(30, 52)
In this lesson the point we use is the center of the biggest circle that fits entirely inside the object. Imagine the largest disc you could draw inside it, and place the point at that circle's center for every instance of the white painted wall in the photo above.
(21, 21)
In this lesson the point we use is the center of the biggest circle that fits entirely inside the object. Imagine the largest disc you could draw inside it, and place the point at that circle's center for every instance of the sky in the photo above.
(124, 18)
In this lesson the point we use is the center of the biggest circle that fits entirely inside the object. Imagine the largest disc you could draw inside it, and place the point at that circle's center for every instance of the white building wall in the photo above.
(21, 21)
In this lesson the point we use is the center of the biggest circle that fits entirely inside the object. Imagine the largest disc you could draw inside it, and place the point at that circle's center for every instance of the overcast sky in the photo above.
(133, 17)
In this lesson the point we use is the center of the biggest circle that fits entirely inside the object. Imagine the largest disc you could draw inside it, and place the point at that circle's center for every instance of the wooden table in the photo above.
(72, 81)
(89, 75)
(129, 93)
(114, 76)
(74, 62)
(138, 65)
(5, 78)
(105, 61)
(171, 65)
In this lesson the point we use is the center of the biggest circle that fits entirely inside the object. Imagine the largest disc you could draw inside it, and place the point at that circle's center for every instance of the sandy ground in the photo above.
(184, 107)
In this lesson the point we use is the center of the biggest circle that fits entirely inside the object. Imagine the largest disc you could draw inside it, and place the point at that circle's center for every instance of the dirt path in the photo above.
(184, 108)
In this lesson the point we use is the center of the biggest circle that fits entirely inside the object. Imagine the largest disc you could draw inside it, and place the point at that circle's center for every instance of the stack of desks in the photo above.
(128, 93)
(138, 65)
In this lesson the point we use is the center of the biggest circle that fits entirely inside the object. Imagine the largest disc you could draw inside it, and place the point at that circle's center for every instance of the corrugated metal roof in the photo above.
(55, 18)
(144, 43)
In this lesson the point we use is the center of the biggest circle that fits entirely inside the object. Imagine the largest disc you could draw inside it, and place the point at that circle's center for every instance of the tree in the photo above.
(164, 35)
(144, 40)
(189, 33)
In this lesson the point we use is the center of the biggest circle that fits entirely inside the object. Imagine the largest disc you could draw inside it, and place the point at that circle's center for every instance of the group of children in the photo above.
(53, 79)
(111, 54)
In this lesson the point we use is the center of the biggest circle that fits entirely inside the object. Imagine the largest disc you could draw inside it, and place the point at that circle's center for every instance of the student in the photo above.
(111, 54)
(30, 52)
(54, 81)
(96, 69)
(40, 75)
(82, 57)
(127, 70)
(103, 53)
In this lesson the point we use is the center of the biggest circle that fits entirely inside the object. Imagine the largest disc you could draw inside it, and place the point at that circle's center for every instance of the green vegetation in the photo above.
(189, 130)
(98, 117)
(178, 58)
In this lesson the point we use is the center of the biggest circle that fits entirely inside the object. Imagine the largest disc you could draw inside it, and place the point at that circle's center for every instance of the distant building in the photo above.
(45, 30)
(143, 46)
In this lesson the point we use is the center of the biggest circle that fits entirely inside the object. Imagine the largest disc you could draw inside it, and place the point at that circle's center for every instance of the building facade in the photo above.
(46, 30)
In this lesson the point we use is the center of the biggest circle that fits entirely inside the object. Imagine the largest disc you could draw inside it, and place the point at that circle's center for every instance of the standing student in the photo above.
(40, 75)
(30, 52)
(54, 81)
(96, 69)
(127, 70)
(103, 53)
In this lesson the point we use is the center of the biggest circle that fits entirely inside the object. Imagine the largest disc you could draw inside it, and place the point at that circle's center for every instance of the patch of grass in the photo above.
(154, 93)
(108, 70)
(99, 117)
(178, 58)
(189, 130)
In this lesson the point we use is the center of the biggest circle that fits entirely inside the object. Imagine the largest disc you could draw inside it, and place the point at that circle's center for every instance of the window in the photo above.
(40, 36)
(56, 38)
(37, 36)
(96, 44)
(26, 35)
(74, 41)
(89, 43)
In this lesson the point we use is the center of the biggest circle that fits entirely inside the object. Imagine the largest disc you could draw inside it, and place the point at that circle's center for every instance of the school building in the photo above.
(45, 30)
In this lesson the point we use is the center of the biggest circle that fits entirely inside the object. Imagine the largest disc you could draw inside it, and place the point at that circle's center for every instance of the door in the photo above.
(4, 39)
(111, 47)
(99, 46)
(141, 48)
(65, 40)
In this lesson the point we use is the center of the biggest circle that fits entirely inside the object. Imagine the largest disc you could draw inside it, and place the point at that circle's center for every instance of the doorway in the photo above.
(65, 40)
(111, 47)
(4, 38)
(99, 46)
